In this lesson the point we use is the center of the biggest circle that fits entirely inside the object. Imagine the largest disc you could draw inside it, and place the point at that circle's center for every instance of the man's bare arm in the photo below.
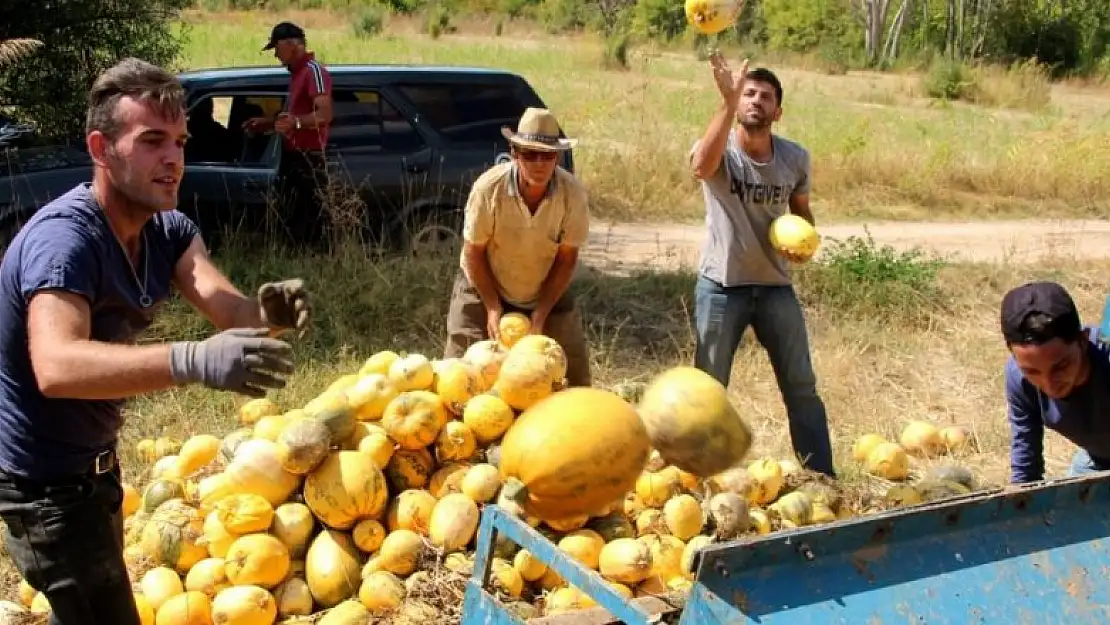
(67, 364)
(558, 278)
(481, 275)
(203, 285)
(799, 205)
(706, 159)
(321, 114)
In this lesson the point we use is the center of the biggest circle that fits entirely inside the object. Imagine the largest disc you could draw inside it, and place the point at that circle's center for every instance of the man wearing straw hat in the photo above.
(525, 221)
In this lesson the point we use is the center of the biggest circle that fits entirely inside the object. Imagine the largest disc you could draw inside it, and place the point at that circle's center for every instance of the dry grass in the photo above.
(881, 147)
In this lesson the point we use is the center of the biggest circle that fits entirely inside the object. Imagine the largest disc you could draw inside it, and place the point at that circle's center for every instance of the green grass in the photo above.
(881, 147)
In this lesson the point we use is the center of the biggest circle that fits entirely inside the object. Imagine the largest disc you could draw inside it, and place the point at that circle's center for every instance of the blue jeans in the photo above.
(775, 314)
(1083, 464)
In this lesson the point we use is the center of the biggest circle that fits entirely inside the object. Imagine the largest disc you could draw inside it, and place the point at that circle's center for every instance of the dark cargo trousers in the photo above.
(466, 325)
(66, 540)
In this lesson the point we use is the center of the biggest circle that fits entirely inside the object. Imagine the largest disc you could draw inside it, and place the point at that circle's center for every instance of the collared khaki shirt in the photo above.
(521, 246)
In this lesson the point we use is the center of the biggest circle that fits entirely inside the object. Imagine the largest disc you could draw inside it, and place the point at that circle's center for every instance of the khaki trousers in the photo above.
(466, 325)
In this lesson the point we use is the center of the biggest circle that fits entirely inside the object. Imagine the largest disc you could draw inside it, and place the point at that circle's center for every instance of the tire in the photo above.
(432, 232)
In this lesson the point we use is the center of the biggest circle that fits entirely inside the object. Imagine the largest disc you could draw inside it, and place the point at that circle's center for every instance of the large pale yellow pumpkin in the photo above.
(414, 418)
(486, 356)
(448, 479)
(691, 422)
(654, 489)
(189, 608)
(583, 545)
(171, 536)
(530, 567)
(146, 612)
(302, 445)
(270, 426)
(378, 446)
(551, 457)
(257, 469)
(370, 395)
(524, 380)
(481, 483)
(332, 568)
(346, 487)
(795, 507)
(512, 327)
(547, 347)
(333, 410)
(888, 460)
(691, 550)
(625, 560)
(293, 525)
(864, 444)
(257, 559)
(217, 539)
(244, 605)
(453, 522)
(767, 473)
(922, 438)
(488, 416)
(232, 441)
(411, 510)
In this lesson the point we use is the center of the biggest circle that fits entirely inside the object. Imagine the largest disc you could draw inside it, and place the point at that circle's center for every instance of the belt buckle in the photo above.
(104, 462)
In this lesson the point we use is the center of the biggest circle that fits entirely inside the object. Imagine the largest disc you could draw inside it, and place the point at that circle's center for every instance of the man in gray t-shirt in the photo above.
(749, 177)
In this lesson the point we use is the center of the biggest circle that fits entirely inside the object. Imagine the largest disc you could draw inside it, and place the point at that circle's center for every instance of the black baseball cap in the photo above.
(1046, 298)
(284, 30)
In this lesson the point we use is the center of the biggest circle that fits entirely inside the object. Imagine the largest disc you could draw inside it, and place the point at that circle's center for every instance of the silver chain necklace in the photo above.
(144, 299)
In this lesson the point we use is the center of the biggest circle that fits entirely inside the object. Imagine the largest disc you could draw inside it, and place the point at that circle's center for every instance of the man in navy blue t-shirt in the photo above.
(78, 283)
(1058, 376)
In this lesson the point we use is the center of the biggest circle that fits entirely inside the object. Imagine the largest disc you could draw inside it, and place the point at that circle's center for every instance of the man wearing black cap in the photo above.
(1058, 377)
(304, 129)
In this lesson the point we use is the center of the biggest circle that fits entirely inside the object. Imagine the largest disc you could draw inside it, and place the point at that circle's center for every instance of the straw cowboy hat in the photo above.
(538, 130)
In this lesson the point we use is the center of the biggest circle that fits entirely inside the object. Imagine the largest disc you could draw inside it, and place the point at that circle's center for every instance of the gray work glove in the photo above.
(243, 360)
(285, 305)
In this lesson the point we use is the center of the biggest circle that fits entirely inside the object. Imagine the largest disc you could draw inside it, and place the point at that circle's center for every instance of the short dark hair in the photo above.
(136, 79)
(762, 74)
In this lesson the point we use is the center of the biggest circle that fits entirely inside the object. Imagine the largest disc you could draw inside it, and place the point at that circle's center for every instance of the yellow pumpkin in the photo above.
(333, 409)
(488, 416)
(453, 522)
(379, 363)
(524, 380)
(217, 540)
(257, 469)
(332, 568)
(159, 584)
(690, 550)
(625, 560)
(889, 461)
(244, 605)
(456, 382)
(683, 516)
(486, 356)
(456, 441)
(410, 468)
(196, 453)
(257, 559)
(512, 327)
(481, 482)
(411, 510)
(448, 479)
(189, 608)
(370, 395)
(506, 578)
(789, 232)
(132, 501)
(690, 420)
(414, 418)
(349, 612)
(922, 438)
(411, 372)
(547, 347)
(269, 427)
(293, 525)
(530, 567)
(293, 598)
(368, 535)
(146, 611)
(208, 576)
(379, 447)
(795, 507)
(399, 554)
(583, 545)
(654, 489)
(172, 536)
(245, 513)
(381, 591)
(346, 487)
(255, 409)
(768, 476)
(666, 554)
(864, 444)
(549, 457)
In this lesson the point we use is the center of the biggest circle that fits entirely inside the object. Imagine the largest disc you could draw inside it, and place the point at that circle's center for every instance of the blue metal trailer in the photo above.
(1035, 554)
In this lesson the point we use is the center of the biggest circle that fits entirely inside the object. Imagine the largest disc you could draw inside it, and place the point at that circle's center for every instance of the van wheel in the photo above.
(433, 232)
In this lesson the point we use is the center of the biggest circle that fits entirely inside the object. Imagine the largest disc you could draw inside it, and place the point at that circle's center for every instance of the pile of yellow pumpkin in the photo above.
(339, 510)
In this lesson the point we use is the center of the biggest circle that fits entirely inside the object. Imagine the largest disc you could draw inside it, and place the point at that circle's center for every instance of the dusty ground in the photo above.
(674, 245)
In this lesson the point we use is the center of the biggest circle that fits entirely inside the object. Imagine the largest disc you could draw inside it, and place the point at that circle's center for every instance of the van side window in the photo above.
(365, 120)
(468, 112)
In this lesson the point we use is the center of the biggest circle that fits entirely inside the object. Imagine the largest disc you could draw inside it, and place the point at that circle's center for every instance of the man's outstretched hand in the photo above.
(285, 305)
(242, 360)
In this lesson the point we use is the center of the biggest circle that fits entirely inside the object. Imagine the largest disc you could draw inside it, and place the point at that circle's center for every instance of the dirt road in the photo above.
(672, 245)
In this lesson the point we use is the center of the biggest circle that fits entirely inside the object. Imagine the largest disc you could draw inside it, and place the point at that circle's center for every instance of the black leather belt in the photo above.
(104, 462)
